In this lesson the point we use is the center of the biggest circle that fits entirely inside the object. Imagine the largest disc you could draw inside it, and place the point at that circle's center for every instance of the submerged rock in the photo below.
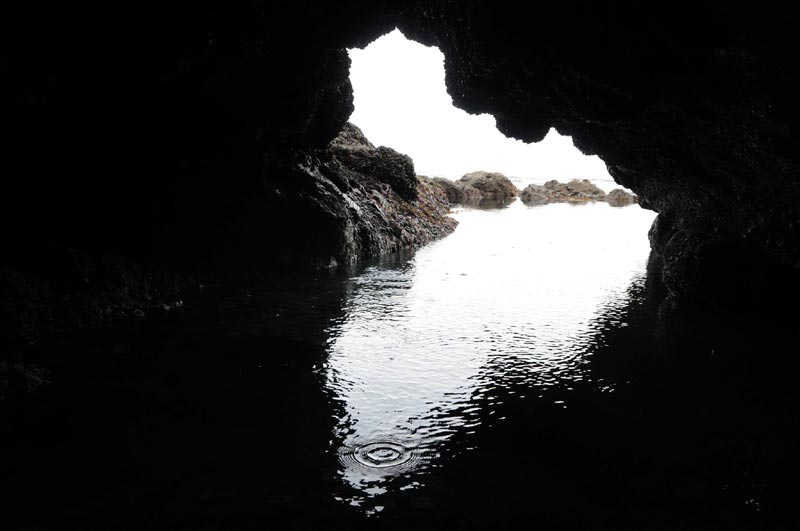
(619, 197)
(575, 191)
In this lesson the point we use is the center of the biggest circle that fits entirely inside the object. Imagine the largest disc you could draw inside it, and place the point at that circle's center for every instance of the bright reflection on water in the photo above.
(512, 297)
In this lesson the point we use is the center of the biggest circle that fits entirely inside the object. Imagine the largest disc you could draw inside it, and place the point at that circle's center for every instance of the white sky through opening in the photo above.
(401, 101)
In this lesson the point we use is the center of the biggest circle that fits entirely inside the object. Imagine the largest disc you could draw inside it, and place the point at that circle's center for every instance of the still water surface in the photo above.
(513, 299)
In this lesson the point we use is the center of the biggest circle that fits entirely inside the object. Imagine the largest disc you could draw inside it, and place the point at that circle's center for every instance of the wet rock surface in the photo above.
(354, 151)
(369, 201)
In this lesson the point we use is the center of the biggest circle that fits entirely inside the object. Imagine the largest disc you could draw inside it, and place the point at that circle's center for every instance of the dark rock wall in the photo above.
(694, 108)
(312, 209)
(155, 131)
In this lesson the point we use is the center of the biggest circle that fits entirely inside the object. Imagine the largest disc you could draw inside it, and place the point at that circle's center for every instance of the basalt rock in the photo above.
(492, 186)
(479, 189)
(368, 200)
(619, 198)
(575, 191)
(535, 194)
(459, 193)
(321, 208)
(385, 164)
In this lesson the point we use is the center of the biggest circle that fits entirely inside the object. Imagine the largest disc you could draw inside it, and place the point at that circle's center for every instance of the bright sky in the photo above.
(401, 102)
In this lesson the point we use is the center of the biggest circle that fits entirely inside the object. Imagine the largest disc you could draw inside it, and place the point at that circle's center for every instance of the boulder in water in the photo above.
(479, 188)
(459, 193)
(619, 198)
(534, 194)
(575, 191)
(492, 185)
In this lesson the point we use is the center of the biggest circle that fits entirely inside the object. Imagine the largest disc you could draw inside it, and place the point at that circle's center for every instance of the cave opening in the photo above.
(514, 371)
(510, 307)
(401, 101)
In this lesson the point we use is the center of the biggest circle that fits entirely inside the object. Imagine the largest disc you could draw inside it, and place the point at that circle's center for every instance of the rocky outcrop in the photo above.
(619, 198)
(575, 191)
(535, 194)
(492, 186)
(355, 152)
(478, 188)
(374, 202)
(459, 193)
(312, 209)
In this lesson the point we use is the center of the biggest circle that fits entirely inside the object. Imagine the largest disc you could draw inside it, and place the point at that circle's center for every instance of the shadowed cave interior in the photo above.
(164, 152)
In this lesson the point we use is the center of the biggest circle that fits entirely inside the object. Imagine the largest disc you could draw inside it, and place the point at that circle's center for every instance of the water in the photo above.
(509, 300)
(515, 374)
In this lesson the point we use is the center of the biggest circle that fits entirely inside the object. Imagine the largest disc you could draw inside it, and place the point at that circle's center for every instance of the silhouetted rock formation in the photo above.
(163, 149)
(182, 137)
(619, 198)
(575, 191)
(314, 209)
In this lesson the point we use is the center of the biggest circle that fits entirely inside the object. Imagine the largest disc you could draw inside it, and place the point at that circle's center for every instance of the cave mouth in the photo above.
(401, 101)
(216, 417)
(512, 305)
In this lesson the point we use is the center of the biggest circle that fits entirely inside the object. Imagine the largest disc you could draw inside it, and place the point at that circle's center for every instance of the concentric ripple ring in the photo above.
(381, 454)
